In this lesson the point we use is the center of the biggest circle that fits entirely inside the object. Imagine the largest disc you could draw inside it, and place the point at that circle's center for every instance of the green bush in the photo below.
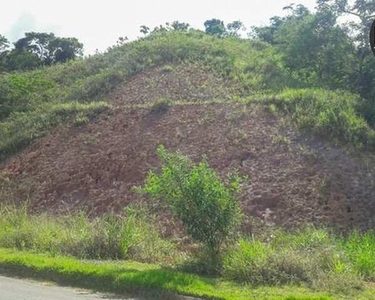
(197, 196)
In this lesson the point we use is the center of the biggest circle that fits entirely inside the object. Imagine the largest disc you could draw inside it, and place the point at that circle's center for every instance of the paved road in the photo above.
(17, 289)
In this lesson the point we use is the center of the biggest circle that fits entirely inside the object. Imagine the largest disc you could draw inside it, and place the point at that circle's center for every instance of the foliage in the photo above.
(37, 49)
(4, 43)
(118, 277)
(107, 237)
(322, 50)
(234, 27)
(313, 256)
(206, 206)
(215, 27)
(328, 114)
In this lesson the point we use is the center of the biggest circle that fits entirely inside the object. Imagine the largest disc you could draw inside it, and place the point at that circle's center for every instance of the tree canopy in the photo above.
(37, 49)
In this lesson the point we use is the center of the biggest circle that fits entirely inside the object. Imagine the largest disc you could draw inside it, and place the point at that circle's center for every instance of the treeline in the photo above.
(37, 49)
(320, 50)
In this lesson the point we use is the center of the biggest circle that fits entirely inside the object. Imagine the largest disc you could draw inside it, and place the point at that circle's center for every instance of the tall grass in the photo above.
(311, 256)
(333, 114)
(107, 237)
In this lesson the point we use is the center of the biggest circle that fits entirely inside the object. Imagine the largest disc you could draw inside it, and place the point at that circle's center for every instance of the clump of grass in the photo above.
(160, 106)
(360, 249)
(333, 114)
(107, 237)
(312, 256)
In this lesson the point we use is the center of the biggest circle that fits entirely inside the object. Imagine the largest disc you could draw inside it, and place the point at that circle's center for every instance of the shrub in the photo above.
(160, 106)
(197, 196)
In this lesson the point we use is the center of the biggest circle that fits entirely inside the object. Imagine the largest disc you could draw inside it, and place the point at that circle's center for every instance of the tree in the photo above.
(36, 43)
(18, 60)
(364, 12)
(314, 48)
(215, 27)
(234, 27)
(4, 43)
(144, 30)
(63, 49)
(179, 26)
(206, 206)
(37, 49)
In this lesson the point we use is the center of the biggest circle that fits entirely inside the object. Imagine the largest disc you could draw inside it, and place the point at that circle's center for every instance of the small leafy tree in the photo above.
(180, 26)
(215, 27)
(144, 30)
(196, 194)
(4, 43)
(234, 27)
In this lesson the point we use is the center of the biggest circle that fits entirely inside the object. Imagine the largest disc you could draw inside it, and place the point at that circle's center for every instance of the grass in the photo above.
(311, 256)
(336, 115)
(108, 237)
(304, 261)
(124, 277)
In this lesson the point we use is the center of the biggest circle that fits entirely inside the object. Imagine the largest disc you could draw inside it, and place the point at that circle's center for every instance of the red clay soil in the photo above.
(291, 180)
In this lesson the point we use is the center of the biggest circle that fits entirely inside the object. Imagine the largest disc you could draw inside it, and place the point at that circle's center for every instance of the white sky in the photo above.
(98, 23)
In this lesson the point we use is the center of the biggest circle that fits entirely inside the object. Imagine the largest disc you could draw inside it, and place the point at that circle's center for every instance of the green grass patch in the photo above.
(331, 114)
(123, 277)
(132, 236)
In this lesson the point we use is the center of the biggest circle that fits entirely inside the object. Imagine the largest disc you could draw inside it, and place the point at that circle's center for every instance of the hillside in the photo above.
(103, 117)
(293, 178)
(265, 181)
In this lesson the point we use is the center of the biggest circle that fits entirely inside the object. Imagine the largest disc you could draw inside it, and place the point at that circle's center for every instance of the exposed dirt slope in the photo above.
(291, 179)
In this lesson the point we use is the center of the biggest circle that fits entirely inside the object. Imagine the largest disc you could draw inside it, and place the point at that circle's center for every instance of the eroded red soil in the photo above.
(291, 180)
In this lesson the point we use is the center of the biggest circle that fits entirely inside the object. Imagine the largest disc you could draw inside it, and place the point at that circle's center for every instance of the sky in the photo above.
(98, 24)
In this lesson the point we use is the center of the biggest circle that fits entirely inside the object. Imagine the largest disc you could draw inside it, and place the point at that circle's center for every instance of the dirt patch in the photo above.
(177, 82)
(291, 180)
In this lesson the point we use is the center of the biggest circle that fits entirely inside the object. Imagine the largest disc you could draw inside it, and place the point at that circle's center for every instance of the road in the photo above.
(17, 289)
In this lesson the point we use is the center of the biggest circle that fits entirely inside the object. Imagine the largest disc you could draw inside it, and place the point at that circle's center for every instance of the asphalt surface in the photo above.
(17, 289)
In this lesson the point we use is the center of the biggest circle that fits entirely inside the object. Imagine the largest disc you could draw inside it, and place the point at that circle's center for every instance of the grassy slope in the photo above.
(254, 65)
(132, 277)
